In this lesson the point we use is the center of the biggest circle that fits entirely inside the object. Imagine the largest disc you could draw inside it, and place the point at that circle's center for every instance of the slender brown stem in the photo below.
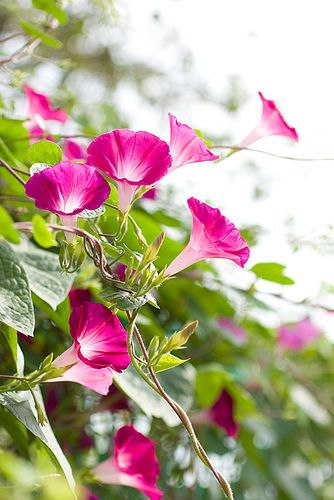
(11, 170)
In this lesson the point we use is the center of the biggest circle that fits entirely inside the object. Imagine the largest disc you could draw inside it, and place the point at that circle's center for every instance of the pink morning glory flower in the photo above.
(296, 337)
(151, 194)
(74, 151)
(133, 463)
(271, 123)
(236, 331)
(99, 348)
(40, 110)
(221, 414)
(186, 146)
(67, 189)
(132, 159)
(212, 236)
(77, 296)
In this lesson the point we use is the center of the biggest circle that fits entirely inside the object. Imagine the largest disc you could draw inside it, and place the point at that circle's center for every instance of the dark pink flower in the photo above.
(271, 123)
(212, 236)
(132, 159)
(67, 189)
(186, 146)
(99, 347)
(221, 414)
(152, 194)
(133, 463)
(116, 400)
(78, 296)
(40, 110)
(73, 151)
(232, 328)
(296, 337)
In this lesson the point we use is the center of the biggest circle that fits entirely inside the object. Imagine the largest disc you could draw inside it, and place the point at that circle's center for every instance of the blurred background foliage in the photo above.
(283, 399)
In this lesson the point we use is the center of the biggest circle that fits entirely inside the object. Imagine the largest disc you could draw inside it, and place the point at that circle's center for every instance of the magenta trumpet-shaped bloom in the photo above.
(77, 296)
(99, 348)
(236, 331)
(271, 123)
(186, 146)
(212, 236)
(40, 107)
(133, 463)
(296, 337)
(74, 151)
(221, 414)
(67, 189)
(132, 159)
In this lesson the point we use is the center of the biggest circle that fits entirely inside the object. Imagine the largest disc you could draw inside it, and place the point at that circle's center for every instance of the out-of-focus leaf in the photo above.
(46, 152)
(11, 337)
(37, 33)
(50, 7)
(60, 316)
(41, 232)
(16, 309)
(309, 405)
(16, 430)
(168, 361)
(272, 271)
(7, 229)
(47, 280)
(22, 406)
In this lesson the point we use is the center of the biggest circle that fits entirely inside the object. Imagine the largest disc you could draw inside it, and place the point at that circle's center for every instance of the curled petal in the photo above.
(272, 122)
(212, 236)
(39, 104)
(186, 146)
(68, 188)
(99, 337)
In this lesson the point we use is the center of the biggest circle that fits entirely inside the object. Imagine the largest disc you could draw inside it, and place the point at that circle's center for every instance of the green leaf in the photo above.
(60, 316)
(168, 361)
(42, 233)
(7, 229)
(51, 8)
(11, 336)
(178, 384)
(37, 33)
(16, 430)
(46, 278)
(16, 309)
(22, 406)
(271, 271)
(44, 152)
(178, 339)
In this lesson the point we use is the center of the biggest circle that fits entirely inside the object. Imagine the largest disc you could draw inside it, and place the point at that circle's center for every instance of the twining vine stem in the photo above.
(156, 385)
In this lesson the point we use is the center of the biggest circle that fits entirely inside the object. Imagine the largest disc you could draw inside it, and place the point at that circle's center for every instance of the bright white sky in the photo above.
(285, 50)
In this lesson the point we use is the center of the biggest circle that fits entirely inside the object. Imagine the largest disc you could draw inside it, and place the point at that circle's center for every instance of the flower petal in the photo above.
(140, 158)
(222, 414)
(134, 463)
(99, 336)
(73, 151)
(68, 188)
(272, 122)
(212, 236)
(296, 337)
(186, 146)
(39, 104)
